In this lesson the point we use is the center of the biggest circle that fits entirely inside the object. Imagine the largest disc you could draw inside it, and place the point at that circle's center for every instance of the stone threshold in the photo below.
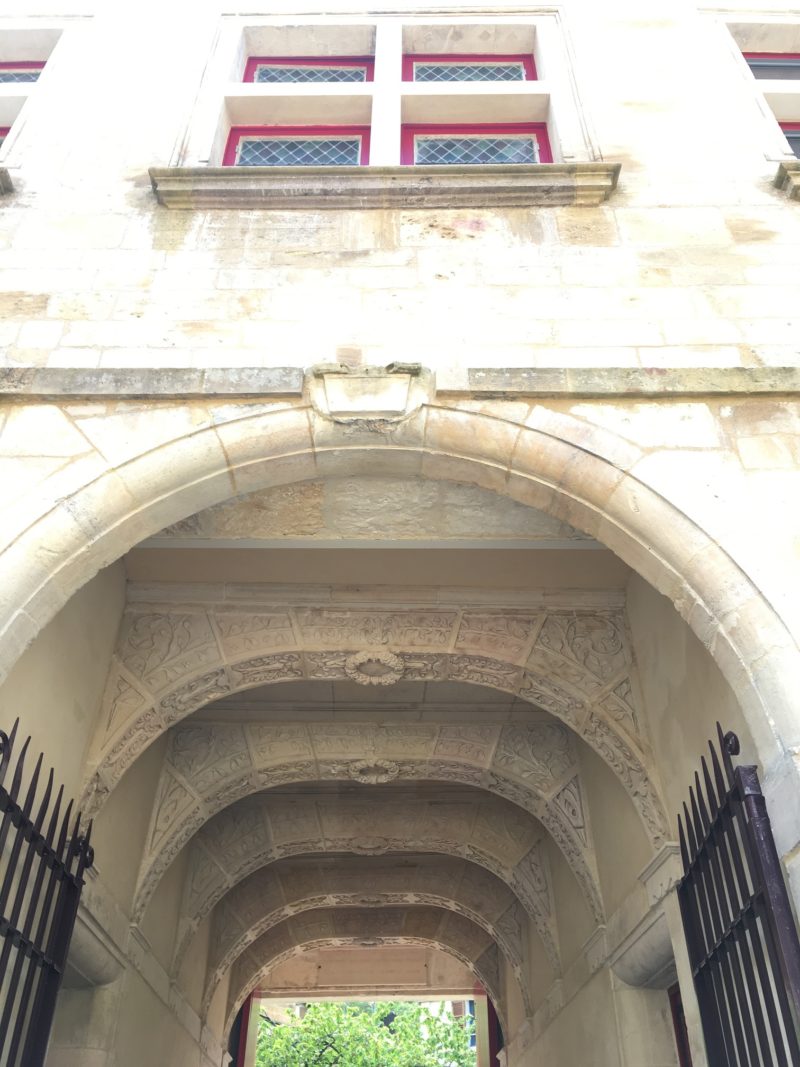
(311, 188)
(41, 383)
(788, 179)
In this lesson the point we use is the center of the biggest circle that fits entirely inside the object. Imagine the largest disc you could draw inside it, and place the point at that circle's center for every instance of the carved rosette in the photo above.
(374, 668)
(373, 772)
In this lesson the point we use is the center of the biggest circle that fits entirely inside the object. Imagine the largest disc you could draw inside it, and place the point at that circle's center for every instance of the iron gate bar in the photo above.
(740, 931)
(42, 879)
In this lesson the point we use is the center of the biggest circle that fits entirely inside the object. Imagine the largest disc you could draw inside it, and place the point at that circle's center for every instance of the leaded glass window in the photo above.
(299, 152)
(301, 74)
(20, 74)
(483, 149)
(469, 72)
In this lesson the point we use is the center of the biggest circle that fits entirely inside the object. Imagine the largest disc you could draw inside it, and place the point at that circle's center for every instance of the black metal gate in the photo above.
(740, 931)
(43, 856)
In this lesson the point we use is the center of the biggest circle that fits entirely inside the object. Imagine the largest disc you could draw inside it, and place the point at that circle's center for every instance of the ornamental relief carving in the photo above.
(593, 644)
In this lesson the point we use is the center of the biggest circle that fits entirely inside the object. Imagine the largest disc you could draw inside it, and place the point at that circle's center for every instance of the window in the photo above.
(791, 131)
(468, 68)
(297, 146)
(475, 144)
(4, 132)
(27, 71)
(301, 69)
(773, 66)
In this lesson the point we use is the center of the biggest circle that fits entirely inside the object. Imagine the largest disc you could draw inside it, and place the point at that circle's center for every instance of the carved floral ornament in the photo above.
(575, 665)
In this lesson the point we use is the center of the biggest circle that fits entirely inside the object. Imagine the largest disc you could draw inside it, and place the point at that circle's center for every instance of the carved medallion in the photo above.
(374, 668)
(373, 772)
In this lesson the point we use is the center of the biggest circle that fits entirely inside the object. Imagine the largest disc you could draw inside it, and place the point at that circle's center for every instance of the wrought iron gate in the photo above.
(740, 931)
(43, 856)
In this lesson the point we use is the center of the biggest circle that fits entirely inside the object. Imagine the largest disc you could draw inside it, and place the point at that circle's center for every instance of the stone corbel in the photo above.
(645, 957)
(375, 396)
(788, 179)
(662, 873)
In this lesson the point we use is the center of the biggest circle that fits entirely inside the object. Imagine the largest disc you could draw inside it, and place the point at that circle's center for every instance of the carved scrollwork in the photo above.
(373, 772)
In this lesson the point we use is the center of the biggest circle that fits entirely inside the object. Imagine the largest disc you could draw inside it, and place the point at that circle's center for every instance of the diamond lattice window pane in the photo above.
(19, 75)
(468, 72)
(461, 150)
(271, 73)
(299, 152)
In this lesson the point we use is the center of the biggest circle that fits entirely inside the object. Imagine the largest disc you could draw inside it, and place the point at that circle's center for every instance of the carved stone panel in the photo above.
(162, 649)
(507, 635)
(539, 753)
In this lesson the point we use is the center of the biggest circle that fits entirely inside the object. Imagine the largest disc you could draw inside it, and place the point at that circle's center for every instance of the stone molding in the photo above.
(331, 927)
(48, 383)
(378, 397)
(339, 188)
(788, 179)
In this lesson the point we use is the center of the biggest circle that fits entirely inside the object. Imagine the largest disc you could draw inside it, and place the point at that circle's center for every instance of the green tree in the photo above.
(397, 1034)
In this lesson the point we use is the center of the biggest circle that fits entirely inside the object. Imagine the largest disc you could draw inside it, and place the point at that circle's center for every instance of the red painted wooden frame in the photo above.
(450, 57)
(22, 64)
(771, 55)
(238, 132)
(367, 62)
(411, 131)
(4, 132)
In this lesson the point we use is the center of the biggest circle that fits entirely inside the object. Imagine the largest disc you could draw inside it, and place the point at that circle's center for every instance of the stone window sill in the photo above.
(788, 179)
(540, 185)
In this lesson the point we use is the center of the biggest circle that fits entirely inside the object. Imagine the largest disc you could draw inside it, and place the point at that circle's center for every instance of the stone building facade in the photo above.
(379, 545)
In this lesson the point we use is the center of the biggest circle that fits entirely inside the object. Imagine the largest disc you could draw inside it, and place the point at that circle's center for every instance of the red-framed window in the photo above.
(475, 144)
(20, 71)
(770, 66)
(791, 131)
(297, 146)
(301, 69)
(468, 68)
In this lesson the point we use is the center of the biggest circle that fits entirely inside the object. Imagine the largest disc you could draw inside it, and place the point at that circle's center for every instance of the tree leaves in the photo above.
(396, 1034)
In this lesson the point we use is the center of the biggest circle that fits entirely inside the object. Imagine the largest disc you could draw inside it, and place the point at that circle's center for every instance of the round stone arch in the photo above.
(249, 909)
(331, 927)
(249, 838)
(173, 460)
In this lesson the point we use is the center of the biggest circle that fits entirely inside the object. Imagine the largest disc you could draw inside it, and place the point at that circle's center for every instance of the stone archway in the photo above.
(453, 933)
(127, 473)
(255, 834)
(533, 765)
(263, 900)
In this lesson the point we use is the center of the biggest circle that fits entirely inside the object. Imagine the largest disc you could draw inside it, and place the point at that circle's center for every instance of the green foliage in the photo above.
(397, 1034)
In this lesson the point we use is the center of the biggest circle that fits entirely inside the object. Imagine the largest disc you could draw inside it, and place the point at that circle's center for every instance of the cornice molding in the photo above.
(312, 188)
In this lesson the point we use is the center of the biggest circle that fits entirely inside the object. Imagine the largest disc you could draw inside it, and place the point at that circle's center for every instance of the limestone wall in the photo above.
(693, 261)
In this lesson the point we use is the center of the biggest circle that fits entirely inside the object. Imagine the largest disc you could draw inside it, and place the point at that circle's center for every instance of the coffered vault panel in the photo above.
(288, 888)
(533, 764)
(454, 933)
(253, 835)
(174, 657)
